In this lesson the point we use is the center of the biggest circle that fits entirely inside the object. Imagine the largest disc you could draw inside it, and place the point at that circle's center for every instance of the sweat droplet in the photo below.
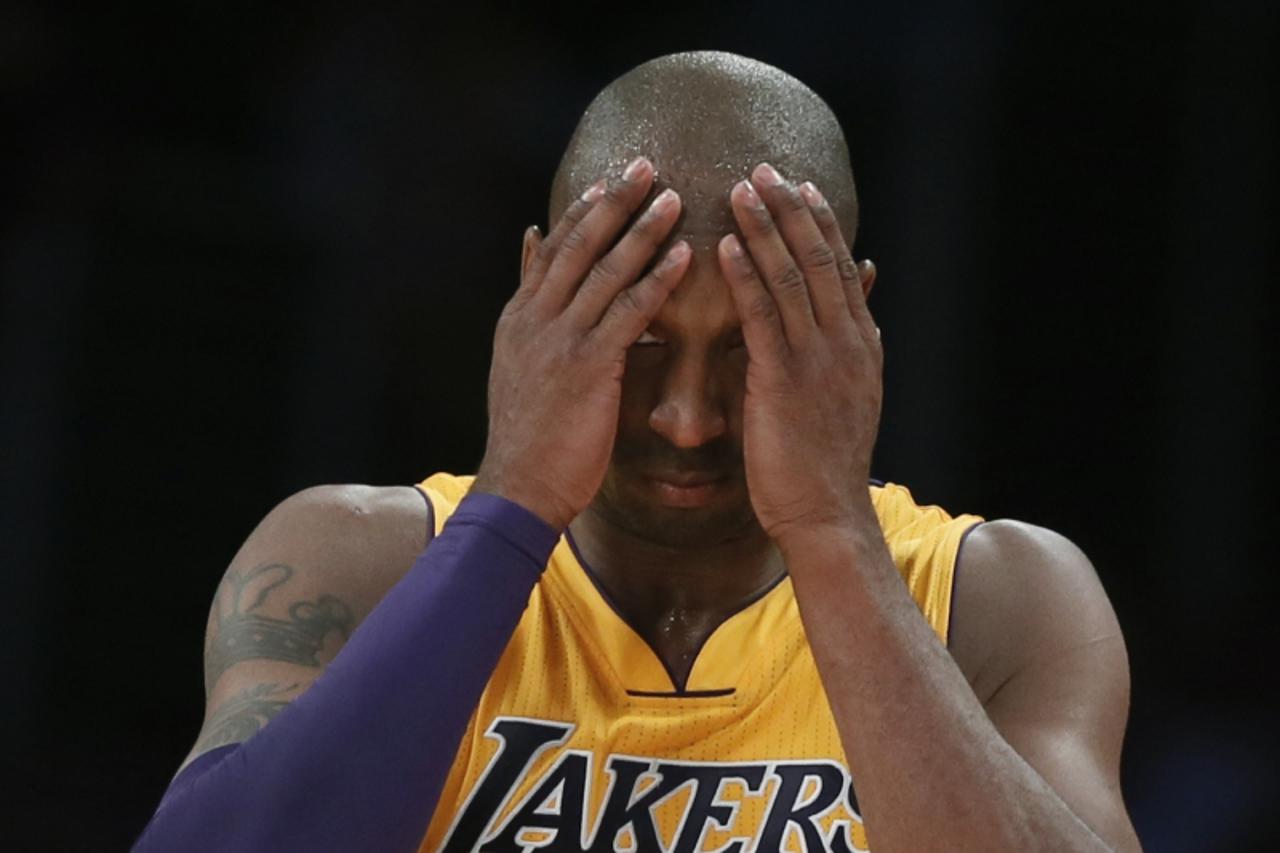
(706, 119)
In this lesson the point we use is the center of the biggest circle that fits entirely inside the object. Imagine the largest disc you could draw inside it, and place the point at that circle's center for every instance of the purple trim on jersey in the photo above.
(431, 513)
(955, 573)
(741, 607)
(676, 683)
(357, 762)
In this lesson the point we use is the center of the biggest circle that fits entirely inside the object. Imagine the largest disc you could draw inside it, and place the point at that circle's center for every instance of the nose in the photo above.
(690, 410)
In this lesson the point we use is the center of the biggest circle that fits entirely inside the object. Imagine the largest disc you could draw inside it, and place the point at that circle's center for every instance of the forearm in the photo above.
(917, 739)
(358, 761)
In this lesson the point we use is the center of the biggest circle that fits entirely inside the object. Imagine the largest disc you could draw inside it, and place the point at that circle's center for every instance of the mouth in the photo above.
(687, 488)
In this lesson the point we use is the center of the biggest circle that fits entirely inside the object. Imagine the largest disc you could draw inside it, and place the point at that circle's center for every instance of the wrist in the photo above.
(529, 495)
(858, 529)
(512, 522)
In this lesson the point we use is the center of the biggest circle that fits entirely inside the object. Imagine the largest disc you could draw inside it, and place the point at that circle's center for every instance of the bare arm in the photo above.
(357, 758)
(935, 770)
(300, 584)
(1050, 665)
(1037, 769)
(343, 739)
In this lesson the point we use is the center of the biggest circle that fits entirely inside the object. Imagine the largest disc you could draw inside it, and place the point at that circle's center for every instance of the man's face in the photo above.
(676, 476)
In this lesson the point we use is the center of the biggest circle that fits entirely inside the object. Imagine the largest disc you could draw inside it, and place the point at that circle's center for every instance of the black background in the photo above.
(248, 250)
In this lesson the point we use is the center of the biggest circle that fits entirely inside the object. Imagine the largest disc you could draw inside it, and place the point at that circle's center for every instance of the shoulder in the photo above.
(356, 538)
(351, 517)
(1022, 592)
(309, 573)
(1006, 553)
(351, 503)
(325, 557)
(1040, 644)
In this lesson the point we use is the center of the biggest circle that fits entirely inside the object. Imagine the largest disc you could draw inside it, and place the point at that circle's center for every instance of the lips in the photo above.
(687, 479)
(687, 489)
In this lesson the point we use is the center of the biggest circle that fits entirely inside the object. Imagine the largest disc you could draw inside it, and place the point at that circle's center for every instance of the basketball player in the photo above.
(668, 613)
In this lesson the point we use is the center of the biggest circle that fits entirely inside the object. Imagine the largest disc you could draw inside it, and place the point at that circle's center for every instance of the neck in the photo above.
(675, 597)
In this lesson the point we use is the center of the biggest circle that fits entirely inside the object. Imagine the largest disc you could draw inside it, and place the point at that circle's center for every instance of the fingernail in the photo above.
(732, 246)
(677, 253)
(766, 175)
(811, 194)
(664, 202)
(634, 169)
(594, 191)
(753, 197)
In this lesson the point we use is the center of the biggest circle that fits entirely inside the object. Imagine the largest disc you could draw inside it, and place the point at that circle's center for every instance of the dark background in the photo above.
(244, 251)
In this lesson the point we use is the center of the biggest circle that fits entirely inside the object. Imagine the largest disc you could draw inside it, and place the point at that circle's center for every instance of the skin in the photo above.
(767, 371)
(1044, 749)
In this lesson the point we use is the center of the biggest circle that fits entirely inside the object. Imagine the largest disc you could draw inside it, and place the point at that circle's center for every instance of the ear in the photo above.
(867, 275)
(532, 240)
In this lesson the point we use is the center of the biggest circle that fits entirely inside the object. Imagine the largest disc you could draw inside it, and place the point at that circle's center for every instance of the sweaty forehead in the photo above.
(705, 214)
(706, 120)
(701, 307)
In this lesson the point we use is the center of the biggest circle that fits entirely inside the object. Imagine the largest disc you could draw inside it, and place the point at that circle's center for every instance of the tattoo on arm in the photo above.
(243, 715)
(241, 633)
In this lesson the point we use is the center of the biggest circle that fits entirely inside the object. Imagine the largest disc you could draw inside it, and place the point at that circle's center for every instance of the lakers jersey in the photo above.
(581, 742)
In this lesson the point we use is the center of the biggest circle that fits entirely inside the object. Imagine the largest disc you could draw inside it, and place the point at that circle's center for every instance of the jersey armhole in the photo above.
(955, 572)
(431, 513)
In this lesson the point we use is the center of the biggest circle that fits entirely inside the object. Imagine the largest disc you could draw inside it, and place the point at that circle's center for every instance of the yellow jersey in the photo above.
(581, 742)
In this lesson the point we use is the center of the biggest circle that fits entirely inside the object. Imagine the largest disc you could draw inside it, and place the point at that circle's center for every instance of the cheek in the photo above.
(735, 388)
(641, 383)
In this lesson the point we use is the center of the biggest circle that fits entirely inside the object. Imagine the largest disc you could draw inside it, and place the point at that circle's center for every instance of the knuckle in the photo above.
(577, 348)
(546, 249)
(761, 309)
(630, 301)
(575, 241)
(819, 256)
(848, 270)
(569, 220)
(515, 304)
(789, 279)
(605, 269)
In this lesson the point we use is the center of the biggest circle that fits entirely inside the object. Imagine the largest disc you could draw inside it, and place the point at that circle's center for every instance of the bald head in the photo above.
(705, 119)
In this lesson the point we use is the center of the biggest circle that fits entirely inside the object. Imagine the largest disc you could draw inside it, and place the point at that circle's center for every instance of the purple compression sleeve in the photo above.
(357, 762)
